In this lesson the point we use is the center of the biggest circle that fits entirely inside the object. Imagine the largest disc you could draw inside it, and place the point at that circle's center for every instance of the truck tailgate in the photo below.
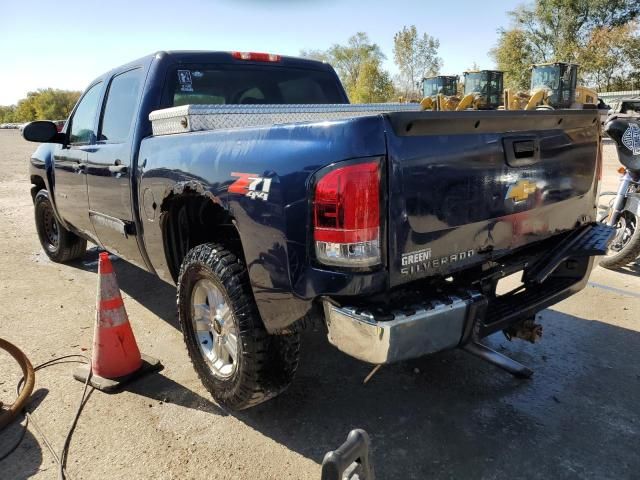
(465, 187)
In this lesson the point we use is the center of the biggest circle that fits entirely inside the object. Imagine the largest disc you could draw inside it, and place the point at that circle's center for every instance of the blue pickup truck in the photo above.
(251, 183)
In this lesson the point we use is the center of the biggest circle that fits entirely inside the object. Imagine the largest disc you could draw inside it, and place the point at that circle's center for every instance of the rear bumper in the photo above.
(430, 327)
(382, 336)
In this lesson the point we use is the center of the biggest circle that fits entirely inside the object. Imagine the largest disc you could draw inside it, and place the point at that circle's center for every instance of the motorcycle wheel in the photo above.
(625, 246)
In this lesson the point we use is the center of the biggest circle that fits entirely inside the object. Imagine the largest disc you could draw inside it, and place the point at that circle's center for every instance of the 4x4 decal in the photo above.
(247, 184)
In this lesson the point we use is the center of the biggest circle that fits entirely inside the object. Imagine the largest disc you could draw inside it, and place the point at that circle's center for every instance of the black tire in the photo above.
(58, 243)
(631, 249)
(266, 364)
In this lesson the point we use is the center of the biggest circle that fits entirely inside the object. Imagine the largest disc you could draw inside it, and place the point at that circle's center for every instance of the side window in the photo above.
(120, 107)
(83, 120)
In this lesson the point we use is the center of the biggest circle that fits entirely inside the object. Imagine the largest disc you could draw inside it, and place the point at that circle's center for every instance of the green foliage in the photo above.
(569, 31)
(43, 104)
(611, 56)
(416, 57)
(373, 85)
(514, 57)
(359, 66)
(7, 114)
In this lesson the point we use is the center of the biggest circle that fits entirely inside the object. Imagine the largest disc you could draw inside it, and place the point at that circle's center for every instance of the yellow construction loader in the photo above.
(553, 86)
(482, 91)
(437, 87)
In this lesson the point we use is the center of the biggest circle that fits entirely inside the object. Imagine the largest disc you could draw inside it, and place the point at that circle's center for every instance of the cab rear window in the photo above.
(250, 85)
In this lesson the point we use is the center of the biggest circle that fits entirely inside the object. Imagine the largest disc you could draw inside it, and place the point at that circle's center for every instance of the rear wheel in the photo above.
(236, 360)
(625, 246)
(58, 243)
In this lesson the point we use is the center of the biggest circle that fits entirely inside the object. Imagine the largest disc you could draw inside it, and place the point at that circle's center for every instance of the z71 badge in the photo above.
(247, 184)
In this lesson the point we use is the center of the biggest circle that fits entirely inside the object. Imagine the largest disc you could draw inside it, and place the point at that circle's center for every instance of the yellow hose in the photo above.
(29, 381)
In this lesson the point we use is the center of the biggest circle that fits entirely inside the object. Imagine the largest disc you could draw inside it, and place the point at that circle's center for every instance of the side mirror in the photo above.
(42, 131)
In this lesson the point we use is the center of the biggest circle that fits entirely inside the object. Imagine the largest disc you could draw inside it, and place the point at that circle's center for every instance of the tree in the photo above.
(359, 57)
(416, 57)
(558, 31)
(43, 104)
(7, 114)
(54, 104)
(514, 56)
(24, 109)
(374, 85)
(611, 56)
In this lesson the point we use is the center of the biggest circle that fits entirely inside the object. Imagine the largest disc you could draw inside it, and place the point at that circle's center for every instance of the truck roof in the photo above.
(212, 56)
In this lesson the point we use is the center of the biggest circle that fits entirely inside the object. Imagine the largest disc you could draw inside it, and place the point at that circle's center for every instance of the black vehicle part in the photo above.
(265, 364)
(590, 240)
(499, 360)
(350, 460)
(58, 243)
(625, 129)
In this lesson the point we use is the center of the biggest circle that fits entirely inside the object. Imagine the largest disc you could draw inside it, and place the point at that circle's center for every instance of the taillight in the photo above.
(256, 56)
(346, 216)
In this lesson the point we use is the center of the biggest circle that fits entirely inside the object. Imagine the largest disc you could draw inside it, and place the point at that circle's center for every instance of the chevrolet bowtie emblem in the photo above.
(521, 191)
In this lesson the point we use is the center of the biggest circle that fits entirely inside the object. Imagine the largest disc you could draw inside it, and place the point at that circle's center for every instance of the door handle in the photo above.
(521, 151)
(80, 167)
(117, 167)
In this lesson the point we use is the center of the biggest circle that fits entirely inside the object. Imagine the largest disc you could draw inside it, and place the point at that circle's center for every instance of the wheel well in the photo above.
(190, 219)
(38, 184)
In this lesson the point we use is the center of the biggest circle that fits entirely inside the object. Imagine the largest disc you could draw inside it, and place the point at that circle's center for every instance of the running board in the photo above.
(499, 360)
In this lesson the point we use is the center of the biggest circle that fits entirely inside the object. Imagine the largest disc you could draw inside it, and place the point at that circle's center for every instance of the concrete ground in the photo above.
(444, 416)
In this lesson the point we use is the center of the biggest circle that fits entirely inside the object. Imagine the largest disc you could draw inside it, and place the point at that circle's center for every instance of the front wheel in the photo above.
(58, 243)
(625, 246)
(236, 360)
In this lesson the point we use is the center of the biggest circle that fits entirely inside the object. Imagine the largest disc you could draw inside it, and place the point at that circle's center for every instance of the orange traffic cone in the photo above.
(116, 358)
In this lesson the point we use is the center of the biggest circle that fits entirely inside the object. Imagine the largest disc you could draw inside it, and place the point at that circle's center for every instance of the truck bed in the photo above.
(458, 189)
(193, 118)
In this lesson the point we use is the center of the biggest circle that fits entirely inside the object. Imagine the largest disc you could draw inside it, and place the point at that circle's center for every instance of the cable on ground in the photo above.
(24, 390)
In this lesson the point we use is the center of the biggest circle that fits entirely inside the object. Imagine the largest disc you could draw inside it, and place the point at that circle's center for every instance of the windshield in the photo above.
(445, 85)
(630, 107)
(546, 77)
(474, 82)
(250, 84)
(485, 83)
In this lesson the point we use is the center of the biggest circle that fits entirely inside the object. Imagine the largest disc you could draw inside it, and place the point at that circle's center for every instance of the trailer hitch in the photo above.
(471, 343)
(499, 360)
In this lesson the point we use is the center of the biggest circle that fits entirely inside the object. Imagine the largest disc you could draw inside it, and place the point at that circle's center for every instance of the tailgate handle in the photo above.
(520, 151)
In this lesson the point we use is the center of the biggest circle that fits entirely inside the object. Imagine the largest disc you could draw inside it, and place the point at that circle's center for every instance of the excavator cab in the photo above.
(559, 80)
(486, 87)
(442, 84)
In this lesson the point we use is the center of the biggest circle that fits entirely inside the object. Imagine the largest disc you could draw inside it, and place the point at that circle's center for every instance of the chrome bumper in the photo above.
(426, 328)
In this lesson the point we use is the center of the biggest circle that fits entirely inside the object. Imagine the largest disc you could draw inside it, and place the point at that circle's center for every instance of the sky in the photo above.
(68, 43)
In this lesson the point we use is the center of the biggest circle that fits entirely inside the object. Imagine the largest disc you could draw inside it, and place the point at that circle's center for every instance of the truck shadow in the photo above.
(451, 415)
(631, 269)
(157, 296)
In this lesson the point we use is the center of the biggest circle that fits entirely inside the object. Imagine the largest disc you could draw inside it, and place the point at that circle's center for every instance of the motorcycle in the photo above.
(623, 210)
